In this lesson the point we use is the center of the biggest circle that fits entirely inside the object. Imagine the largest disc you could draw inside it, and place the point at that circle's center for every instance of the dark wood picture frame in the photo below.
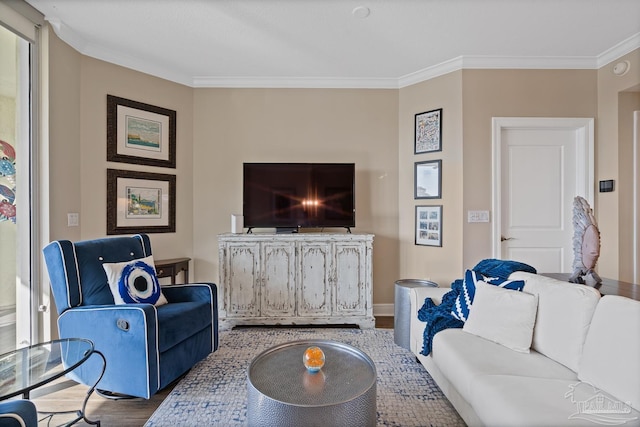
(428, 132)
(125, 144)
(140, 202)
(427, 178)
(429, 225)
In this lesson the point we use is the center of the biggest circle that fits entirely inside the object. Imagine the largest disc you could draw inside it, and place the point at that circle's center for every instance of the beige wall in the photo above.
(510, 93)
(628, 102)
(610, 164)
(77, 153)
(470, 99)
(79, 88)
(439, 264)
(232, 126)
(219, 129)
(65, 154)
(98, 79)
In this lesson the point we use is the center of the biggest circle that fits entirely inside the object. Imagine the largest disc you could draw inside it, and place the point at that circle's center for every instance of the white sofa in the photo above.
(583, 367)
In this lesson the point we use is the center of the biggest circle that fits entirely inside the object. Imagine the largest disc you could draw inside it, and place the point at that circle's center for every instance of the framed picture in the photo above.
(140, 202)
(429, 225)
(428, 132)
(428, 180)
(140, 133)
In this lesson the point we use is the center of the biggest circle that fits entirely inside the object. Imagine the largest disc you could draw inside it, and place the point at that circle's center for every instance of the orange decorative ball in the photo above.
(313, 359)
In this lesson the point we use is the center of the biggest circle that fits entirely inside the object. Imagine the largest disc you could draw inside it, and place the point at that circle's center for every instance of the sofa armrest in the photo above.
(127, 337)
(417, 296)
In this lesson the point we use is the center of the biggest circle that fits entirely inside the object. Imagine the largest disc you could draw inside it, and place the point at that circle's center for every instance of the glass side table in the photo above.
(27, 368)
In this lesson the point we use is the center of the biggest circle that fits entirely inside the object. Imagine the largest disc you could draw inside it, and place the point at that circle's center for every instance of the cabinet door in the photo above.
(349, 276)
(278, 279)
(242, 287)
(314, 291)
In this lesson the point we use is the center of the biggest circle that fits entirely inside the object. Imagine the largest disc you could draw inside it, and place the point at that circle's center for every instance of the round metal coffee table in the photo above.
(282, 392)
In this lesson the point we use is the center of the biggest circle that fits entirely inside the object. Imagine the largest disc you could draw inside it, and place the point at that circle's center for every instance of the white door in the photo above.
(540, 165)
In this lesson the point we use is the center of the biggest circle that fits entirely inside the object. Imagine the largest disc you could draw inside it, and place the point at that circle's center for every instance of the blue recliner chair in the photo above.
(145, 347)
(18, 413)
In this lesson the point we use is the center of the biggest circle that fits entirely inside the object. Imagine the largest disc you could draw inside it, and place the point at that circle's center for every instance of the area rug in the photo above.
(214, 392)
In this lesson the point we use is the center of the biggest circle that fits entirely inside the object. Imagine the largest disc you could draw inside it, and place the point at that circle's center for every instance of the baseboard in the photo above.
(383, 310)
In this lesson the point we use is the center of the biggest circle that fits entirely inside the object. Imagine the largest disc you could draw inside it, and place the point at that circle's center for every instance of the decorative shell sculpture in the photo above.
(586, 244)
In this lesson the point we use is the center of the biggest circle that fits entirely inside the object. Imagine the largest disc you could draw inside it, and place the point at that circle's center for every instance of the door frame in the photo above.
(585, 176)
(636, 196)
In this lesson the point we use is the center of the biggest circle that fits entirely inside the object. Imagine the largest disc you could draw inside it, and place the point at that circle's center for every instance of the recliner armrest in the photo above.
(191, 292)
(126, 335)
(197, 292)
(18, 413)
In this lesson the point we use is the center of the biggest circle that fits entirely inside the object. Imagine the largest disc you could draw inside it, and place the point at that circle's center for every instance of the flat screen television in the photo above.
(289, 196)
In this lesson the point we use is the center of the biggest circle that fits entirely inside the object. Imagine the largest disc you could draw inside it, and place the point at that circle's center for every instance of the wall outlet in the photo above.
(73, 219)
(478, 216)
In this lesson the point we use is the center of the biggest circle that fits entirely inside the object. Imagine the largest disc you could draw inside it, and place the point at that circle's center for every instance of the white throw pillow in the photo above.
(503, 316)
(134, 282)
(564, 314)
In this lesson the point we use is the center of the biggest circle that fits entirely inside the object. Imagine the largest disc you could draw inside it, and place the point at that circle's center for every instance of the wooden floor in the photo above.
(68, 395)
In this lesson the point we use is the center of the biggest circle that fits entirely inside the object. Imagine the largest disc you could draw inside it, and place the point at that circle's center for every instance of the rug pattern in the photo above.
(214, 392)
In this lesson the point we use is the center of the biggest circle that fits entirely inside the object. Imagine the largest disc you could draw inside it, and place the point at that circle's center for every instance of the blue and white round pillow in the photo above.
(134, 282)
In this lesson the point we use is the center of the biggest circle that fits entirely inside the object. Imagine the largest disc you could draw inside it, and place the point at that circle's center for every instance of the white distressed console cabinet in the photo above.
(298, 278)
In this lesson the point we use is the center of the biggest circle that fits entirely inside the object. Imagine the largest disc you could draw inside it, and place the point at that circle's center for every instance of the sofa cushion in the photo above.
(503, 316)
(463, 357)
(564, 314)
(464, 300)
(611, 357)
(134, 282)
(507, 400)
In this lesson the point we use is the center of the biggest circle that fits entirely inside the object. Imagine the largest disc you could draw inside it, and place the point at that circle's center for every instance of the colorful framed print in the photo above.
(428, 180)
(429, 225)
(140, 133)
(140, 202)
(428, 132)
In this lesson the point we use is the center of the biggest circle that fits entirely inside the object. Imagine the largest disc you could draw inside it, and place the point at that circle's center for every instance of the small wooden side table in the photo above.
(171, 268)
(607, 287)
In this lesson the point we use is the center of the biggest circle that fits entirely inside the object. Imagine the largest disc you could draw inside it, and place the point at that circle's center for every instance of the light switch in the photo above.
(478, 216)
(73, 219)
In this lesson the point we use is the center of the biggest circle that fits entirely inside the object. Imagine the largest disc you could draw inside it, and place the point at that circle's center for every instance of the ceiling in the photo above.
(330, 43)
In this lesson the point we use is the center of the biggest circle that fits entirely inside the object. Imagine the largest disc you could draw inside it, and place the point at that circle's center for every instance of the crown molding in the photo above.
(114, 57)
(425, 74)
(67, 35)
(459, 63)
(295, 82)
(619, 50)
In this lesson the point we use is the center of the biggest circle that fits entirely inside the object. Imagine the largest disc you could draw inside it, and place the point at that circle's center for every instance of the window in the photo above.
(19, 148)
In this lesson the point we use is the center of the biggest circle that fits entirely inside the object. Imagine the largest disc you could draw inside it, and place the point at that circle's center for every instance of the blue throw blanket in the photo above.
(438, 317)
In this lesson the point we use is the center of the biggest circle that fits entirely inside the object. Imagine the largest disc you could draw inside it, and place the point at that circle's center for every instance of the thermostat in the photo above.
(606, 186)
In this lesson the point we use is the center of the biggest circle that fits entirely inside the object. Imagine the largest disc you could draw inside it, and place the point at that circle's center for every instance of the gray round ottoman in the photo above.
(281, 392)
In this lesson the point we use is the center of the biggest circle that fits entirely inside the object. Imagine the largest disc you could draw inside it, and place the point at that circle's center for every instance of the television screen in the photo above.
(295, 195)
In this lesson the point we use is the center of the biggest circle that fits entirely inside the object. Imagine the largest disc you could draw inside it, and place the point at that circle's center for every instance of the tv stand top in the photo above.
(300, 236)
(290, 230)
